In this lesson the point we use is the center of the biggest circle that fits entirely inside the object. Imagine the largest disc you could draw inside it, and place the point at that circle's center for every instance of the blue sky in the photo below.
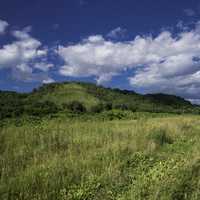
(145, 45)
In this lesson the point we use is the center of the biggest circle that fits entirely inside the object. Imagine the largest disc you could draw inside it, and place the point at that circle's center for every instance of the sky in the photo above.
(149, 46)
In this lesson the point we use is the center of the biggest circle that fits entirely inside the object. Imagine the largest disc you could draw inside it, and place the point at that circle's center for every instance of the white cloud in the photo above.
(166, 63)
(3, 26)
(24, 55)
(22, 51)
(48, 80)
(95, 39)
(117, 33)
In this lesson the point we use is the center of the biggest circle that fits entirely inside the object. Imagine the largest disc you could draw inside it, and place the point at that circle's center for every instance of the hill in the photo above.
(86, 97)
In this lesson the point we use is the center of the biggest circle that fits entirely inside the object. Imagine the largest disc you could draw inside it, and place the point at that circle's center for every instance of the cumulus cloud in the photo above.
(3, 26)
(165, 63)
(24, 55)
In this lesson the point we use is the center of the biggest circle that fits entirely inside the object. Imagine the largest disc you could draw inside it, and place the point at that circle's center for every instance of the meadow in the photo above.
(140, 157)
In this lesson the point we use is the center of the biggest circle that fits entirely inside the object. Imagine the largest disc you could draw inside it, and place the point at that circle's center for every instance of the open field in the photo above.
(146, 158)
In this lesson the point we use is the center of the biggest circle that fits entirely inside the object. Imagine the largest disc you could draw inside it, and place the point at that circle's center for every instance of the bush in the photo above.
(76, 107)
(101, 107)
(133, 108)
(97, 108)
(108, 106)
(41, 108)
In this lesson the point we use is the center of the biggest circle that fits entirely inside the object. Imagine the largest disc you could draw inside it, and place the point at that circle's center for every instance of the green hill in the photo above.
(87, 97)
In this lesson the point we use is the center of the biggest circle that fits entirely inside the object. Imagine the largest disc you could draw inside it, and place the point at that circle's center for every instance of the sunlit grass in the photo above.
(147, 158)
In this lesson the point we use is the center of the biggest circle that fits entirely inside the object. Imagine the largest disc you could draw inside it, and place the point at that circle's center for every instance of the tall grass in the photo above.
(58, 159)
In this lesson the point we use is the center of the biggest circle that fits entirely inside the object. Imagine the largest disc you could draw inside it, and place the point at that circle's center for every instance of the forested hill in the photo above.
(87, 98)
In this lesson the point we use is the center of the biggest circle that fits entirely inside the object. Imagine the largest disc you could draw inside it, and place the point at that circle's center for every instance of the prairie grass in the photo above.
(59, 159)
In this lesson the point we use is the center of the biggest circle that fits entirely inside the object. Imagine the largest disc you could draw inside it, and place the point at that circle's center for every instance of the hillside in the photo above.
(61, 97)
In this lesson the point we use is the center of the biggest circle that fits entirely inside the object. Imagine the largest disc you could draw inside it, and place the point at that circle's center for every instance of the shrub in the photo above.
(108, 106)
(41, 108)
(101, 107)
(133, 108)
(97, 108)
(75, 106)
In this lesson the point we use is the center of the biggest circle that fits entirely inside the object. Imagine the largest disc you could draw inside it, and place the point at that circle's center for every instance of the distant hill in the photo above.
(87, 97)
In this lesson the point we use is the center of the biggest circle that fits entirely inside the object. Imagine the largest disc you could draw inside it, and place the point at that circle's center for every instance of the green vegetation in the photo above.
(75, 106)
(61, 158)
(77, 141)
(65, 97)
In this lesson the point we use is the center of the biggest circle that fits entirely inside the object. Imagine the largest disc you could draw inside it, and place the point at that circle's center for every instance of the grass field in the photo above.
(143, 158)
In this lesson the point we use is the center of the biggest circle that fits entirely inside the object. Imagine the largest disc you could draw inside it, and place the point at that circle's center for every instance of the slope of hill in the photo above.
(72, 96)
